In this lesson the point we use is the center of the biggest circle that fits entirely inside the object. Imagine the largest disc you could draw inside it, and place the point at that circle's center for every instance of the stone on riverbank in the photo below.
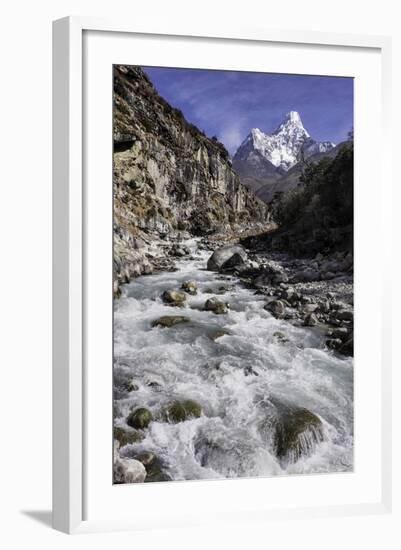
(229, 256)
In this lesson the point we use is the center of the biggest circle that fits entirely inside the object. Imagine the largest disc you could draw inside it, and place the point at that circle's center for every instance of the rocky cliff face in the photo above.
(169, 177)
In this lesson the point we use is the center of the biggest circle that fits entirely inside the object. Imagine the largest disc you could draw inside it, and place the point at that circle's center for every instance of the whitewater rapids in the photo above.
(231, 378)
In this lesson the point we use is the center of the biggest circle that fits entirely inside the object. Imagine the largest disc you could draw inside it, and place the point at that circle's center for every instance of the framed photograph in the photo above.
(214, 290)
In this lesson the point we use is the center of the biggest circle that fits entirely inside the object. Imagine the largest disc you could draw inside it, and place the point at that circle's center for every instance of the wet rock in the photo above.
(214, 335)
(147, 458)
(222, 289)
(154, 385)
(181, 410)
(190, 287)
(131, 386)
(236, 254)
(341, 333)
(280, 337)
(140, 418)
(276, 308)
(217, 306)
(310, 320)
(128, 470)
(250, 371)
(156, 474)
(334, 343)
(348, 347)
(295, 431)
(174, 297)
(126, 437)
(168, 321)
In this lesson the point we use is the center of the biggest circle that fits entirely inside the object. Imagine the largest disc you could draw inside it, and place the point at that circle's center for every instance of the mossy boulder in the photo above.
(168, 321)
(139, 418)
(217, 306)
(190, 287)
(174, 297)
(295, 431)
(126, 437)
(181, 410)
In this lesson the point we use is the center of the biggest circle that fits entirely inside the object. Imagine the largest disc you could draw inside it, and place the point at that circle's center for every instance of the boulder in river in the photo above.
(174, 297)
(128, 470)
(190, 287)
(294, 431)
(126, 437)
(168, 321)
(181, 410)
(139, 418)
(217, 306)
(234, 254)
(276, 308)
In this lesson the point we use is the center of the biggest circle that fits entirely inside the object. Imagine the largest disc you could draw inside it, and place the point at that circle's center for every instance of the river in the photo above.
(232, 378)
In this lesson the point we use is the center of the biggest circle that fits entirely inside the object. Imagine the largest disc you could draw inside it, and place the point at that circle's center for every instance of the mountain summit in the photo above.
(280, 150)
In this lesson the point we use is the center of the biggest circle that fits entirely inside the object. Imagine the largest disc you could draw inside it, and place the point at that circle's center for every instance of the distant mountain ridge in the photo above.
(265, 159)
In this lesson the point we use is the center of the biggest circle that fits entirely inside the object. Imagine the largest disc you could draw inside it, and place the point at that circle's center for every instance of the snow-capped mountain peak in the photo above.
(282, 147)
(292, 125)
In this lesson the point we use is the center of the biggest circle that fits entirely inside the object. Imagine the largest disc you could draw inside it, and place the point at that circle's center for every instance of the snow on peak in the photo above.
(283, 146)
(293, 116)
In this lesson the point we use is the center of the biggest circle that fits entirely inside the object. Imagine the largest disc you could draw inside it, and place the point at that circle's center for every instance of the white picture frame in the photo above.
(70, 257)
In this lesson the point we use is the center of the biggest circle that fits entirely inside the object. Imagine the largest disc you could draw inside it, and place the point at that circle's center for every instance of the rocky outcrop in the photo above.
(168, 177)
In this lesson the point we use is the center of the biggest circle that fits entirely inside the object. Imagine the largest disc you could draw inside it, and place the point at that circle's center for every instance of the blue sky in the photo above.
(229, 104)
